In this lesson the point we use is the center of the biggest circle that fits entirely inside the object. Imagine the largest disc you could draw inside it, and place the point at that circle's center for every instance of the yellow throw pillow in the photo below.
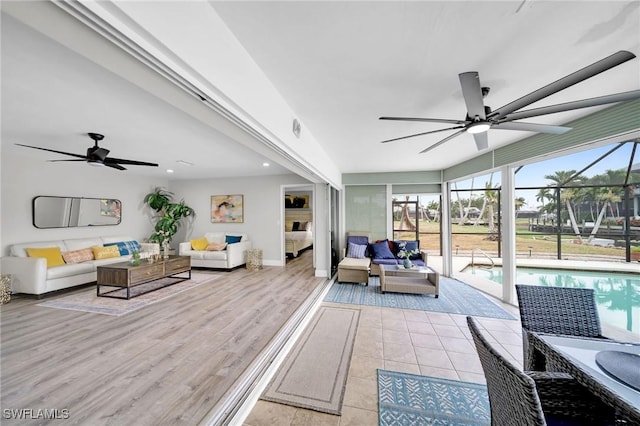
(52, 254)
(199, 244)
(105, 252)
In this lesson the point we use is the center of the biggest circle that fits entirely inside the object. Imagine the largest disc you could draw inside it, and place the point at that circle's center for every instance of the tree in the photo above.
(561, 178)
(169, 214)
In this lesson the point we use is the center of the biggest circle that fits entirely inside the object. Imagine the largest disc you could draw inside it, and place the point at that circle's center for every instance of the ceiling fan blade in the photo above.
(420, 134)
(567, 81)
(114, 166)
(53, 150)
(448, 138)
(482, 140)
(531, 127)
(568, 106)
(428, 120)
(110, 161)
(472, 93)
(54, 161)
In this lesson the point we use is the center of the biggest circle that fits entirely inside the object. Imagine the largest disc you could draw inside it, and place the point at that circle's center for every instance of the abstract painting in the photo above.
(227, 208)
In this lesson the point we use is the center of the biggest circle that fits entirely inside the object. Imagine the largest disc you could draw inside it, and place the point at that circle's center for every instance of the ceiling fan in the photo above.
(96, 155)
(481, 118)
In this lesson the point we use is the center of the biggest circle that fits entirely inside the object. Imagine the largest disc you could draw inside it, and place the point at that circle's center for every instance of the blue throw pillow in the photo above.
(356, 251)
(409, 246)
(381, 250)
(232, 239)
(362, 240)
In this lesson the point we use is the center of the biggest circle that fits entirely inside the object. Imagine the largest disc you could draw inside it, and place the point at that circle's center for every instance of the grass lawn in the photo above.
(467, 237)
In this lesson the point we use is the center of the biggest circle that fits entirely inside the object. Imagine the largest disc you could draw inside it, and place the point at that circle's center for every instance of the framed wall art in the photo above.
(227, 208)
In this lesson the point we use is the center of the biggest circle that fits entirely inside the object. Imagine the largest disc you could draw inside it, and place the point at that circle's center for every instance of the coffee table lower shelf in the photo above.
(125, 276)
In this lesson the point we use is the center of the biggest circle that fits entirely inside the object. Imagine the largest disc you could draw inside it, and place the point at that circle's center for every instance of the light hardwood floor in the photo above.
(167, 363)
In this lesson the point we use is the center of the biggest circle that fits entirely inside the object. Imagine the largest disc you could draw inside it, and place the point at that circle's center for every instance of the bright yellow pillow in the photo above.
(52, 254)
(199, 244)
(105, 252)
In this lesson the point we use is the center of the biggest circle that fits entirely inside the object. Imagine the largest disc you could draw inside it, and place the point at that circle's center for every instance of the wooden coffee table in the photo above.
(125, 275)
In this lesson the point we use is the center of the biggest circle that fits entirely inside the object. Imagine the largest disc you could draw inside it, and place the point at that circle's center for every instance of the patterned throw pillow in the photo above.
(77, 256)
(216, 246)
(105, 252)
(125, 247)
(52, 254)
(356, 251)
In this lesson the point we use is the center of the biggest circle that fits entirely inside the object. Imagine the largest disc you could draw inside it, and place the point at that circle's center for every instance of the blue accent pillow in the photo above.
(409, 246)
(232, 239)
(381, 250)
(362, 240)
(356, 251)
(125, 247)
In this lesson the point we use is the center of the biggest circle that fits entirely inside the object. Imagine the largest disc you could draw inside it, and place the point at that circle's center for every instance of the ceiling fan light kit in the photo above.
(480, 118)
(96, 156)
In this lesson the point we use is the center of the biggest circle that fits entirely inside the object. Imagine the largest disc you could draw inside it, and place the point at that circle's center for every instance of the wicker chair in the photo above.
(555, 310)
(519, 398)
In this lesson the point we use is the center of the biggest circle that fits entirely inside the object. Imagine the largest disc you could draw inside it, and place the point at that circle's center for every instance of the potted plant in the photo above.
(405, 254)
(169, 215)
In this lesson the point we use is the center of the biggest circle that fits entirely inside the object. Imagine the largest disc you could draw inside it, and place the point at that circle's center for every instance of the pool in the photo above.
(617, 294)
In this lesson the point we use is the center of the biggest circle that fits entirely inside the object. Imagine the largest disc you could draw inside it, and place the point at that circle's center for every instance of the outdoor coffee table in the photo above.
(416, 280)
(127, 276)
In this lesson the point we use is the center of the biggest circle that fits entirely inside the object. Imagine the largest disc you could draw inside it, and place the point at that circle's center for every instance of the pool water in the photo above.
(617, 294)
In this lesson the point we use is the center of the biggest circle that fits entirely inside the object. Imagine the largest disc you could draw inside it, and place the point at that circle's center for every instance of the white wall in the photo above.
(263, 206)
(23, 178)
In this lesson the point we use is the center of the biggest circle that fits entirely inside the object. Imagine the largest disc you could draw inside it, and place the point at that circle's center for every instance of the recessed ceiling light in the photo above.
(184, 163)
(169, 171)
(265, 164)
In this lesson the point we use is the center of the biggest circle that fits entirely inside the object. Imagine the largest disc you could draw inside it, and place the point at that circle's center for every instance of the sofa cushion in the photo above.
(77, 256)
(379, 261)
(214, 255)
(105, 252)
(356, 250)
(215, 237)
(70, 270)
(82, 243)
(19, 250)
(53, 255)
(353, 263)
(381, 250)
(199, 243)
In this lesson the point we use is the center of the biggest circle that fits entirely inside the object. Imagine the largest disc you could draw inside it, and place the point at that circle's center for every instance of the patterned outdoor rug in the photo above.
(408, 399)
(87, 301)
(455, 298)
(314, 374)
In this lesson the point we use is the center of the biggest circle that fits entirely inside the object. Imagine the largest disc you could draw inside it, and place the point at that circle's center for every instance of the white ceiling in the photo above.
(339, 65)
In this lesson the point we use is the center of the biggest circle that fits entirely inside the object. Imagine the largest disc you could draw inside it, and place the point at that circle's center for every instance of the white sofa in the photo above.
(232, 256)
(30, 275)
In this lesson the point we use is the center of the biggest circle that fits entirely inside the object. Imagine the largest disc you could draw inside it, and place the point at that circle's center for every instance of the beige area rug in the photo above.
(314, 374)
(87, 301)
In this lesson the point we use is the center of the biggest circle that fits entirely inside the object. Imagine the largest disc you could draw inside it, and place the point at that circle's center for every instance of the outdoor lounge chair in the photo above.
(519, 398)
(555, 310)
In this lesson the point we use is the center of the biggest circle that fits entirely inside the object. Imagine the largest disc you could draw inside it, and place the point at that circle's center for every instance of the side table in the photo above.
(254, 259)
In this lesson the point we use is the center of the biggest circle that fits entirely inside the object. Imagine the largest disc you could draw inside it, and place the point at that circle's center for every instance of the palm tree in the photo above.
(491, 197)
(566, 195)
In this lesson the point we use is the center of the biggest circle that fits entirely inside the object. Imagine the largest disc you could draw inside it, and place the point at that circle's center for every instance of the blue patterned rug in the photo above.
(408, 399)
(455, 298)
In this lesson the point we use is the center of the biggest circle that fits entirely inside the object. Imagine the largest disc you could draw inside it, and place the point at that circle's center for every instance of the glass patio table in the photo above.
(577, 356)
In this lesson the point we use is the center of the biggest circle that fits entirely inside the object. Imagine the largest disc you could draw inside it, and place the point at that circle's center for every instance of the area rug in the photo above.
(408, 399)
(314, 374)
(455, 298)
(87, 301)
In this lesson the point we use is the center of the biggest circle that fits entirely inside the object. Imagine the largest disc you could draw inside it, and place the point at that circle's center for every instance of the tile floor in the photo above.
(418, 342)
